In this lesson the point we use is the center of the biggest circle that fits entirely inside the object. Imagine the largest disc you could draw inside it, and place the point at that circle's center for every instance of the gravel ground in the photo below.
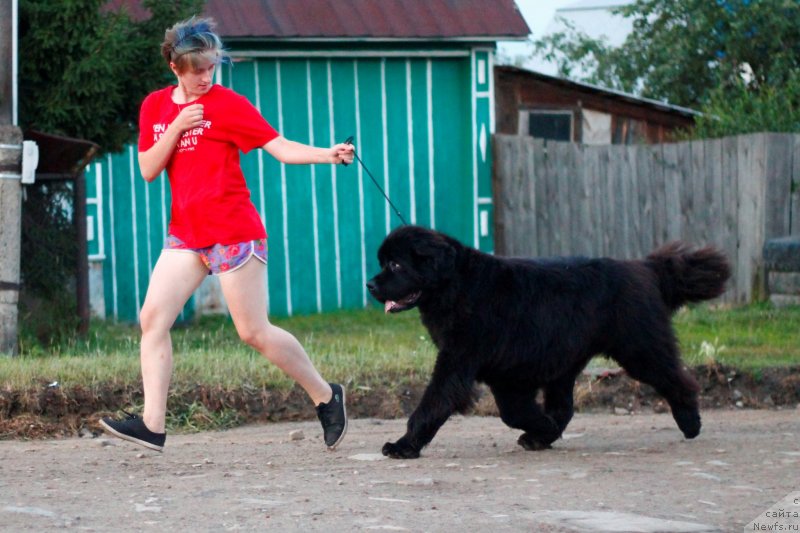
(609, 473)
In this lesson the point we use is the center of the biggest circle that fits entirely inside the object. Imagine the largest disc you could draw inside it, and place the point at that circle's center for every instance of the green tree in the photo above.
(721, 56)
(738, 109)
(84, 69)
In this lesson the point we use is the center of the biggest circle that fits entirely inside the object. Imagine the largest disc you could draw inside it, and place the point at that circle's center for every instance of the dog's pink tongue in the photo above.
(388, 306)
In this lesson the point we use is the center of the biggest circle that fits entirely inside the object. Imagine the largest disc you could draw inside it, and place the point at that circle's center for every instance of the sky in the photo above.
(539, 13)
(539, 16)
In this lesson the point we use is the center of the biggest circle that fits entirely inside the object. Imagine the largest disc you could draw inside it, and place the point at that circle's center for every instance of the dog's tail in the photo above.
(685, 275)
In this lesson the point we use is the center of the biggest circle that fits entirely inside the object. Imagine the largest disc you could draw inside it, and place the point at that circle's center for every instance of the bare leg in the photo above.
(246, 294)
(175, 277)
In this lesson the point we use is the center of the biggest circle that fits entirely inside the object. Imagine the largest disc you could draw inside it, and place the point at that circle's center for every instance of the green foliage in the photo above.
(84, 70)
(48, 263)
(739, 110)
(582, 58)
(697, 53)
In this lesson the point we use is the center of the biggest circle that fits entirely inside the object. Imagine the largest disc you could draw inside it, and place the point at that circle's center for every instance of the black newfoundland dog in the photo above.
(525, 325)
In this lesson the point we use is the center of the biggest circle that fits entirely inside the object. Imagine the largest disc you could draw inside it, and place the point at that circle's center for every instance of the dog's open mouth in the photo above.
(391, 306)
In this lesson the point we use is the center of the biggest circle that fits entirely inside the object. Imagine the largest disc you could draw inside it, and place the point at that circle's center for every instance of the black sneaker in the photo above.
(333, 417)
(134, 430)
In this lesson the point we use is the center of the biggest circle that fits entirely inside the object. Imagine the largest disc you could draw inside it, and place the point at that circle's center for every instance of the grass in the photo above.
(748, 337)
(363, 348)
(359, 347)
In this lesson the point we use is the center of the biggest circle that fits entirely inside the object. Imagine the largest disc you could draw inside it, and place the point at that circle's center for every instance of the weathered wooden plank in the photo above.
(559, 153)
(530, 248)
(555, 153)
(525, 224)
(778, 176)
(584, 224)
(614, 204)
(659, 195)
(593, 177)
(729, 210)
(633, 212)
(508, 191)
(543, 230)
(647, 183)
(687, 192)
(795, 203)
(570, 199)
(503, 158)
(751, 153)
(672, 192)
(695, 181)
(574, 198)
(713, 191)
(608, 199)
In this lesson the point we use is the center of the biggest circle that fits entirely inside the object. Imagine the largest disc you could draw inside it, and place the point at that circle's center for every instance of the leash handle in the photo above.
(349, 140)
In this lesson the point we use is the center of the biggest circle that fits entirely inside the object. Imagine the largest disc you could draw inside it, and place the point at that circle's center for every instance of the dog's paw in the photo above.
(688, 421)
(399, 450)
(530, 443)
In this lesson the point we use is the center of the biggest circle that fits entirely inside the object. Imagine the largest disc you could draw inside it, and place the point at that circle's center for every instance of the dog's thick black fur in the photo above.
(525, 325)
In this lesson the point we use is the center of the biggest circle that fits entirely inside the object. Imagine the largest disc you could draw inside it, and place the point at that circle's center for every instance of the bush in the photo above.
(740, 109)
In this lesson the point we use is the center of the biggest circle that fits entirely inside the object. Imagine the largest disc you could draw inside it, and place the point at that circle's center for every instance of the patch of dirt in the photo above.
(610, 472)
(48, 411)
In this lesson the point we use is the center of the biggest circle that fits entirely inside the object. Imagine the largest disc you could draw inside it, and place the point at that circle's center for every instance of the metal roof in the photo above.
(360, 19)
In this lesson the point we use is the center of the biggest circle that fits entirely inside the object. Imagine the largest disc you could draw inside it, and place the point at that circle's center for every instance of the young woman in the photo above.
(195, 130)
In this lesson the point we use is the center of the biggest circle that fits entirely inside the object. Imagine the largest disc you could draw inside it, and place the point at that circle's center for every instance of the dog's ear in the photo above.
(436, 253)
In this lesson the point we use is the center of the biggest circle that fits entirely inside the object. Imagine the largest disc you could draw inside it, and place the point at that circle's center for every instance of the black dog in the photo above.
(521, 325)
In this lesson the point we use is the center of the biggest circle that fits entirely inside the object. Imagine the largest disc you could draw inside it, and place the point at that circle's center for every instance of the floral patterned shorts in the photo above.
(222, 258)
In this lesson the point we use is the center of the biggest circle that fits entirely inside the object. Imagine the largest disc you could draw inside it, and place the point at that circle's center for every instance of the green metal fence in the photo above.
(421, 121)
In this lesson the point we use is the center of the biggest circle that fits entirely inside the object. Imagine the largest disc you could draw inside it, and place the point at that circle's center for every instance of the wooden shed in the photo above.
(411, 80)
(531, 103)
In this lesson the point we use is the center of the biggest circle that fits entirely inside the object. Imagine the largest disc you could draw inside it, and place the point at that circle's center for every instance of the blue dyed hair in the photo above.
(189, 42)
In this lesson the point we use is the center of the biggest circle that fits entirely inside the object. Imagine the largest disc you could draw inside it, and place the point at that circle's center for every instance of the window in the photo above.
(551, 125)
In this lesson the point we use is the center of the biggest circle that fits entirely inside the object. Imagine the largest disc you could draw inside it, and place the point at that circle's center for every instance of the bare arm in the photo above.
(155, 159)
(295, 153)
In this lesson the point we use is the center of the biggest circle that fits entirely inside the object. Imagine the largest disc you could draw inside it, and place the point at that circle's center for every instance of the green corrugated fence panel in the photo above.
(452, 146)
(371, 147)
(420, 127)
(324, 237)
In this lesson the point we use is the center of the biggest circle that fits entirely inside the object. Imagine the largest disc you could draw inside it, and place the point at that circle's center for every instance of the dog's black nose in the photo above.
(371, 286)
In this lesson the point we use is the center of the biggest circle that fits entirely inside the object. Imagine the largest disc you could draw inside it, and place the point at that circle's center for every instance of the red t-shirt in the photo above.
(210, 200)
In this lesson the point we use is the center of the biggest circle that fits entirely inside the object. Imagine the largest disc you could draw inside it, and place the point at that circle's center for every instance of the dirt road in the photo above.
(609, 473)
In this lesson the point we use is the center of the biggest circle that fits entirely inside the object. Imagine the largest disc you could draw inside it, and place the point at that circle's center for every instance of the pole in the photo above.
(8, 62)
(82, 270)
(10, 184)
(10, 230)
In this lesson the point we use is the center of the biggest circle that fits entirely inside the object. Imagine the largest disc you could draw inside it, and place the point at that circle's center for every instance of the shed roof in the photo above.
(611, 94)
(360, 19)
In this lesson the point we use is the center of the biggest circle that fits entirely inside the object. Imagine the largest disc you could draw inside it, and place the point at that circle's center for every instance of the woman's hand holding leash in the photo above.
(344, 152)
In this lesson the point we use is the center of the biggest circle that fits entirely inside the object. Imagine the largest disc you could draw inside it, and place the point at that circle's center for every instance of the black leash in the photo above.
(349, 140)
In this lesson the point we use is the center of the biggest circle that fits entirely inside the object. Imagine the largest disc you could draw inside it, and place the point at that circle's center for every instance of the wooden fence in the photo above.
(618, 201)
